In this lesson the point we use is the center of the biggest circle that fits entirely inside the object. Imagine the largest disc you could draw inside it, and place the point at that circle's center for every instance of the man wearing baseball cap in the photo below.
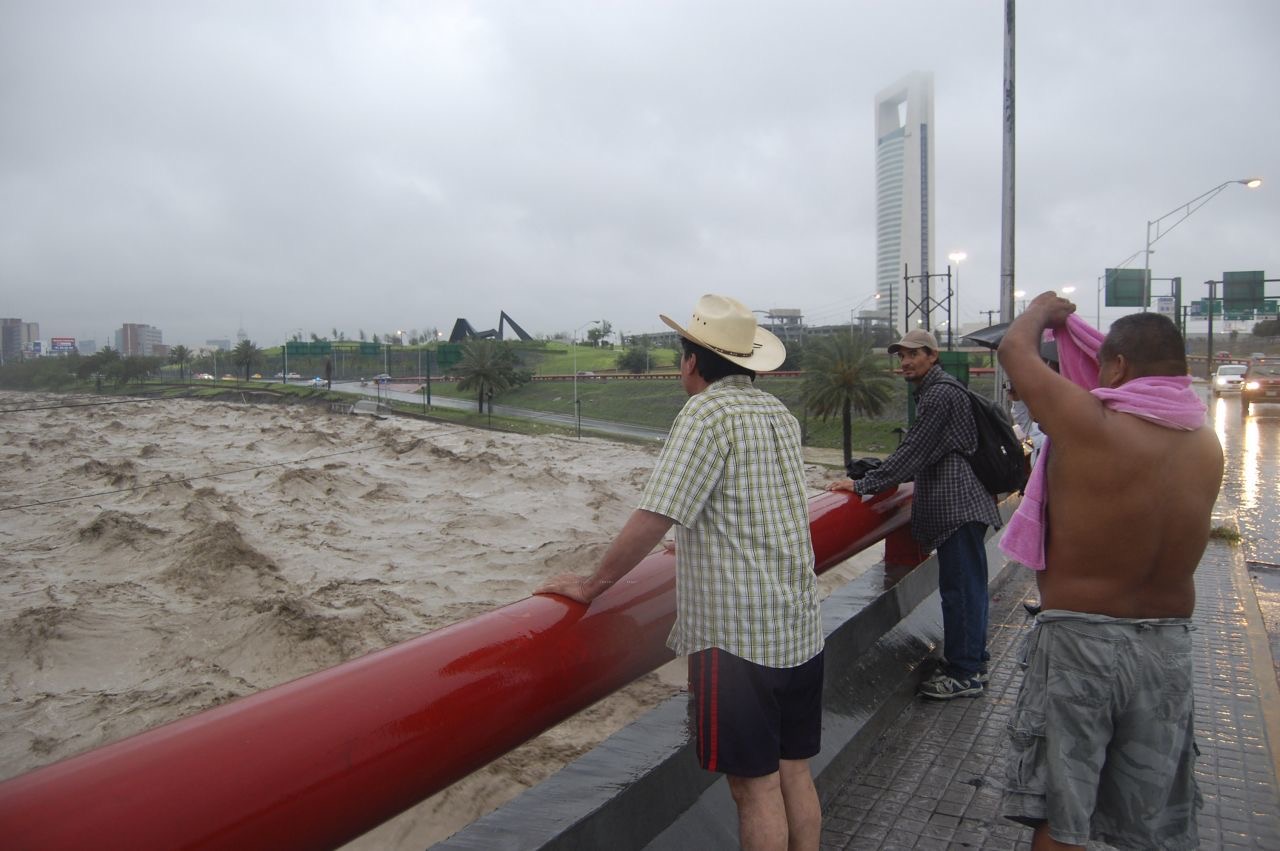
(950, 510)
(731, 479)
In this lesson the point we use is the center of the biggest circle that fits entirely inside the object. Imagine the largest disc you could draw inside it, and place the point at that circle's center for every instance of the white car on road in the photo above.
(1228, 378)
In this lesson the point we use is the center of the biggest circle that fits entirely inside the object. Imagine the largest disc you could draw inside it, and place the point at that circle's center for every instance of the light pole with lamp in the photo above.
(1186, 210)
(853, 310)
(435, 340)
(577, 405)
(956, 257)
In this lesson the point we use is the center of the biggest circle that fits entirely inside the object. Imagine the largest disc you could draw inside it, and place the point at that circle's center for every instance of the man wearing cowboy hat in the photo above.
(950, 510)
(731, 479)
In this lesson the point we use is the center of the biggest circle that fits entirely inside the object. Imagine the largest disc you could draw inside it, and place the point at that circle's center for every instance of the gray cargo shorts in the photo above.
(1101, 738)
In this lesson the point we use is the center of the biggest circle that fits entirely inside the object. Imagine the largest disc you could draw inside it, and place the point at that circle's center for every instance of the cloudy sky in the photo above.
(283, 166)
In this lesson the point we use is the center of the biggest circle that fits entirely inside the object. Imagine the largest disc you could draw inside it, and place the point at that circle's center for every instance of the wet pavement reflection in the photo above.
(1251, 479)
(1251, 483)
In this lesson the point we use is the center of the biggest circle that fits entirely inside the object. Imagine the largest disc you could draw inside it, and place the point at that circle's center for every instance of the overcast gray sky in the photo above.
(205, 166)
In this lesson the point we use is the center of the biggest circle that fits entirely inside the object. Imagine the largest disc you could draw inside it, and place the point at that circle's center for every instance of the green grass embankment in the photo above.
(654, 403)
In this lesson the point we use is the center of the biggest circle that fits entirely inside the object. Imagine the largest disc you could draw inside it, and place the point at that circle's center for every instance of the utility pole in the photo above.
(1007, 188)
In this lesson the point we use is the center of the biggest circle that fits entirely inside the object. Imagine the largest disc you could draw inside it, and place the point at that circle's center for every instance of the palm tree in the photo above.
(180, 355)
(487, 367)
(247, 355)
(843, 374)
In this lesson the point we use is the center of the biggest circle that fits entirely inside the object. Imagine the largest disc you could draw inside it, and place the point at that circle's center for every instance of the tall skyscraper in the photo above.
(904, 196)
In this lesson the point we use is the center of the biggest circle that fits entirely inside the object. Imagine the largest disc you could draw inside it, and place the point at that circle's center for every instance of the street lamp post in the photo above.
(1186, 210)
(956, 257)
(577, 405)
(857, 307)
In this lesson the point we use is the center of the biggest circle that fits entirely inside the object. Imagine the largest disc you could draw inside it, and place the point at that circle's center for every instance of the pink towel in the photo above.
(1166, 400)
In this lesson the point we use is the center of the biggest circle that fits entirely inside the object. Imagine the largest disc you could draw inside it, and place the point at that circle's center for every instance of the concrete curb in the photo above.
(642, 788)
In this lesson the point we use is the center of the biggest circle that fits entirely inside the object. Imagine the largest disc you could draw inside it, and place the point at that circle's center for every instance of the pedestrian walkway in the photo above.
(935, 781)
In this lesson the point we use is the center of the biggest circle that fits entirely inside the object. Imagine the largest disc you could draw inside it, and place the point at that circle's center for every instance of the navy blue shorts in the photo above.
(746, 717)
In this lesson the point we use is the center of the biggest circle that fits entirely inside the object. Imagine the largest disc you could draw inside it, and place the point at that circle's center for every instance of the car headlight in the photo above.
(1222, 380)
(1251, 385)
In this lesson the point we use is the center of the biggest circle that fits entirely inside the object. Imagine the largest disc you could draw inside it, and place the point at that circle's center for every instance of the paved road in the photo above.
(1252, 482)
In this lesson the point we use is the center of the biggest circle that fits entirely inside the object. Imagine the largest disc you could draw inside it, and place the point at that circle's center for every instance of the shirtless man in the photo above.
(1102, 740)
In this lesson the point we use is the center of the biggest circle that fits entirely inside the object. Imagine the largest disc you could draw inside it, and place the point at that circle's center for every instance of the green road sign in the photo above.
(1200, 309)
(1242, 291)
(1127, 287)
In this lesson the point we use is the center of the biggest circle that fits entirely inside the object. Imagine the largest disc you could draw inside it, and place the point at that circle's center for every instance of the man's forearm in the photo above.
(640, 534)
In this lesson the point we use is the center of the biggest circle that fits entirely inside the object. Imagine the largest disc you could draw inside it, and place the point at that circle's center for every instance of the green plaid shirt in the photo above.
(732, 477)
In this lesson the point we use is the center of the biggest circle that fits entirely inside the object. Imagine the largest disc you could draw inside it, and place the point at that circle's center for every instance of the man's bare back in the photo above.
(1129, 511)
(1129, 501)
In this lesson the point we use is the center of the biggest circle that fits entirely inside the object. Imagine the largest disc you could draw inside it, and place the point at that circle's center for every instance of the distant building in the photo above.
(785, 323)
(137, 339)
(30, 336)
(10, 340)
(904, 194)
(87, 347)
(218, 345)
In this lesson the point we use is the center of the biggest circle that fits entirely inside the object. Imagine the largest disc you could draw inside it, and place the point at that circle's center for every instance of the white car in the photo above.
(1228, 378)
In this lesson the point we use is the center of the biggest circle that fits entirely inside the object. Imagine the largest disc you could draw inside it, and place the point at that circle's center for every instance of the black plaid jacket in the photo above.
(935, 453)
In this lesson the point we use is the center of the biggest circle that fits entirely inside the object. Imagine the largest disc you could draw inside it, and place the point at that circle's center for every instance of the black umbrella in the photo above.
(990, 338)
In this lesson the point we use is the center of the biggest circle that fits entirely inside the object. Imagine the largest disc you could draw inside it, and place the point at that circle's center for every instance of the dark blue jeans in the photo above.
(962, 581)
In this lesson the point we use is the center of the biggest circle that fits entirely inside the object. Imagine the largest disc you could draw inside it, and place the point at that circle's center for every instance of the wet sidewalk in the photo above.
(935, 780)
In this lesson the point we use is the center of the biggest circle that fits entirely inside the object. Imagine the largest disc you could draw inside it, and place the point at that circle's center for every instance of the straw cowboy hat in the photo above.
(728, 328)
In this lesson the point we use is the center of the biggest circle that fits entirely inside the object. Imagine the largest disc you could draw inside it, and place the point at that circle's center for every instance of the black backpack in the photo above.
(999, 462)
